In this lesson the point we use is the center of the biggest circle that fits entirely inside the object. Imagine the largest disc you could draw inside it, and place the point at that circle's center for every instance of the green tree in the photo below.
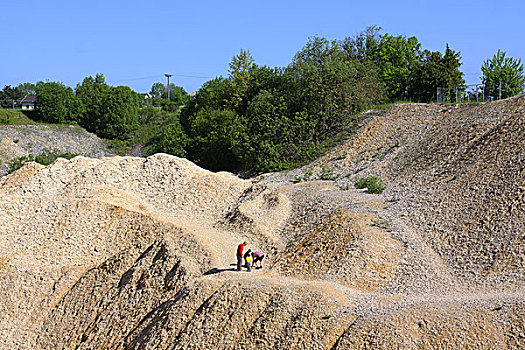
(172, 140)
(120, 114)
(271, 137)
(167, 105)
(214, 94)
(110, 112)
(435, 70)
(241, 68)
(333, 87)
(505, 70)
(57, 103)
(93, 93)
(10, 93)
(362, 46)
(27, 88)
(212, 135)
(177, 95)
(395, 57)
(157, 90)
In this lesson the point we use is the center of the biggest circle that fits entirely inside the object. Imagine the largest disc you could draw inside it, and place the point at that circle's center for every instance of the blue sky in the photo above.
(135, 42)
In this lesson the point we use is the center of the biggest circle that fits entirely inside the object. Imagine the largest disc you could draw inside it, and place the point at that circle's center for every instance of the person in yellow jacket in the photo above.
(248, 259)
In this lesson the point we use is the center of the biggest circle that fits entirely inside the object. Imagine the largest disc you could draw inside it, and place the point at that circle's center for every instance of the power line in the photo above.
(161, 76)
(192, 76)
(135, 79)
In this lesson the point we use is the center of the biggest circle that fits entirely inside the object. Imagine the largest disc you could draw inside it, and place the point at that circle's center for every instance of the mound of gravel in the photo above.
(22, 140)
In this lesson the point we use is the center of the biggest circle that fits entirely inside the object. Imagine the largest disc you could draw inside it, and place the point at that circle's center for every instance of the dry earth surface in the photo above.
(138, 253)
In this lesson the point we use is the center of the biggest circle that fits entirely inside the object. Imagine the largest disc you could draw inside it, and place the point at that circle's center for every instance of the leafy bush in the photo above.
(57, 103)
(171, 140)
(110, 112)
(5, 117)
(45, 158)
(17, 163)
(212, 134)
(372, 183)
(503, 72)
(327, 173)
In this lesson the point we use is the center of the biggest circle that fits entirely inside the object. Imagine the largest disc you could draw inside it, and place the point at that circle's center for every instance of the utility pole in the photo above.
(499, 90)
(168, 76)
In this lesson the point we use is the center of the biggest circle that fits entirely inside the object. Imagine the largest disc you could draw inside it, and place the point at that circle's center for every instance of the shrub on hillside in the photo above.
(45, 158)
(171, 140)
(372, 183)
(5, 117)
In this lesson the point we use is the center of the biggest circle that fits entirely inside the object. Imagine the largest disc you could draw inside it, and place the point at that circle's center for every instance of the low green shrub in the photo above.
(5, 117)
(327, 173)
(45, 158)
(372, 183)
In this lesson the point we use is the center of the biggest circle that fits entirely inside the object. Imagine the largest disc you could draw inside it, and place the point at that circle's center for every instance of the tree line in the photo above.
(262, 118)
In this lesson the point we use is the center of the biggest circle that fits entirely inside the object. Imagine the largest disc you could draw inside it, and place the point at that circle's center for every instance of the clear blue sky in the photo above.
(135, 42)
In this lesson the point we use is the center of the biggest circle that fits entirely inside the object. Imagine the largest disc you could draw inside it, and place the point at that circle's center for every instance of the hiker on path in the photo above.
(240, 249)
(257, 257)
(248, 259)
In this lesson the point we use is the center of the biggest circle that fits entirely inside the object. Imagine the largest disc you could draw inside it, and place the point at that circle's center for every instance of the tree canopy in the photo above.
(57, 103)
(505, 70)
(110, 112)
(434, 70)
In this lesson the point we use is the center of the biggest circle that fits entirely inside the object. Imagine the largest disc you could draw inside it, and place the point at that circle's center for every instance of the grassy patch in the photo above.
(307, 173)
(10, 117)
(388, 105)
(19, 117)
(120, 147)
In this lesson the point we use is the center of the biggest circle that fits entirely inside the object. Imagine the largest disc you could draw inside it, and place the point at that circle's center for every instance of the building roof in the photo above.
(29, 99)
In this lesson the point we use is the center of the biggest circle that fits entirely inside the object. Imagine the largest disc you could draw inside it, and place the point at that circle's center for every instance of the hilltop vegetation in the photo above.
(260, 118)
(267, 119)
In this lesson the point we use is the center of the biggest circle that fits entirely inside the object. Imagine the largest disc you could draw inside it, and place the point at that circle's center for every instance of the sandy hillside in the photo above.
(138, 253)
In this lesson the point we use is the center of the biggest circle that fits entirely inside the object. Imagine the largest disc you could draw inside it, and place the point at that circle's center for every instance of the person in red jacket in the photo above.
(240, 250)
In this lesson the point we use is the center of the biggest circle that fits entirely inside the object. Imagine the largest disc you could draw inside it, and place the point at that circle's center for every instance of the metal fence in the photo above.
(8, 104)
(467, 93)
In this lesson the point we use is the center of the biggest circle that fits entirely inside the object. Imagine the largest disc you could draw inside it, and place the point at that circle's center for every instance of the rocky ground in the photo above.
(22, 140)
(134, 253)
